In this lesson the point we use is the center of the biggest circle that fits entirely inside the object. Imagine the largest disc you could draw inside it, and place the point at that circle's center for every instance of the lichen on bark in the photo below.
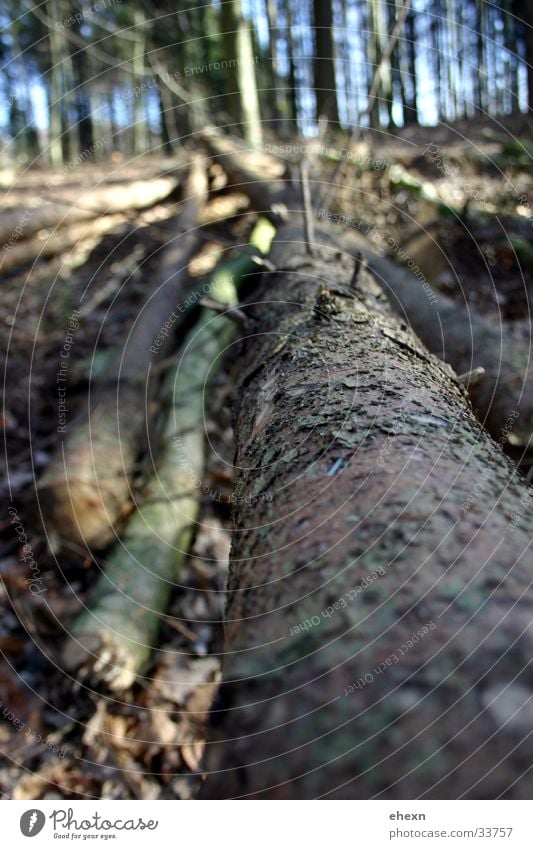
(374, 542)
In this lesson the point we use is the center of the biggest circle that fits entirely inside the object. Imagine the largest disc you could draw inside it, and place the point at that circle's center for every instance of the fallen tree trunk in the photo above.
(43, 214)
(59, 241)
(86, 487)
(112, 640)
(261, 176)
(464, 339)
(378, 634)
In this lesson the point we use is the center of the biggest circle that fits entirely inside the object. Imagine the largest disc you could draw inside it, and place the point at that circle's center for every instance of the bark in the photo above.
(55, 147)
(370, 507)
(86, 487)
(67, 207)
(114, 637)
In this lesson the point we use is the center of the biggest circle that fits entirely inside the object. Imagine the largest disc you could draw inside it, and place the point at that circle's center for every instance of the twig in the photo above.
(308, 209)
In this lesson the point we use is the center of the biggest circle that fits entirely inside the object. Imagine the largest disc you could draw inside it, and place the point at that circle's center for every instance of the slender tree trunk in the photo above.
(379, 615)
(229, 22)
(324, 63)
(461, 337)
(280, 107)
(113, 639)
(246, 77)
(481, 79)
(56, 92)
(411, 112)
(22, 121)
(164, 131)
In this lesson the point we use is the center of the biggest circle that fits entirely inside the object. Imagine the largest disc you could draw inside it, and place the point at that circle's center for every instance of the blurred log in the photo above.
(261, 176)
(466, 341)
(58, 241)
(43, 214)
(113, 638)
(86, 488)
(461, 337)
(378, 634)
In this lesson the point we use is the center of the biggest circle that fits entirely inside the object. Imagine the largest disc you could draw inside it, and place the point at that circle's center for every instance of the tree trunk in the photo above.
(60, 241)
(81, 68)
(55, 146)
(140, 125)
(324, 63)
(378, 632)
(293, 80)
(229, 24)
(280, 105)
(166, 142)
(259, 175)
(86, 487)
(464, 339)
(527, 15)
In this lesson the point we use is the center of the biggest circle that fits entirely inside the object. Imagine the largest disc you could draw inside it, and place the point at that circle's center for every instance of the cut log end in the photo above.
(102, 659)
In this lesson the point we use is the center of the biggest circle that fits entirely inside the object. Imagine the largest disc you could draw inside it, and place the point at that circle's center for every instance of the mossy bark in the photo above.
(378, 634)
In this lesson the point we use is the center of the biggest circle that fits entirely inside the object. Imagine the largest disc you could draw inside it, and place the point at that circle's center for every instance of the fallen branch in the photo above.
(86, 487)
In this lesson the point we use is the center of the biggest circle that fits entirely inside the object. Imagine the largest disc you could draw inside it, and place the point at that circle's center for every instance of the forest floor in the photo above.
(457, 201)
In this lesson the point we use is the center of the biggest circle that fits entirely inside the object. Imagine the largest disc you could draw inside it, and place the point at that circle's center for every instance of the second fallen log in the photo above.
(378, 636)
(112, 640)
